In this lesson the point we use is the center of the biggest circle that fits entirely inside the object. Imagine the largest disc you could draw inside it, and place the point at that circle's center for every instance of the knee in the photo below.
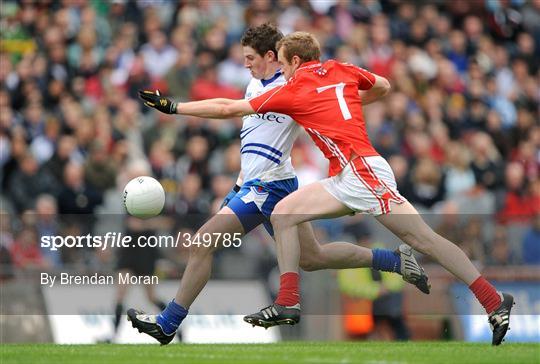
(197, 248)
(278, 220)
(310, 259)
(282, 216)
(308, 265)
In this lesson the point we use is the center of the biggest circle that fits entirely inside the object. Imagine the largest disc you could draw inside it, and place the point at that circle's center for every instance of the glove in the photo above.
(158, 102)
(230, 196)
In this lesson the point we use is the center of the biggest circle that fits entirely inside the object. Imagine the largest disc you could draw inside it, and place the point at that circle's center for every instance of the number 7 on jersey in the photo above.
(341, 99)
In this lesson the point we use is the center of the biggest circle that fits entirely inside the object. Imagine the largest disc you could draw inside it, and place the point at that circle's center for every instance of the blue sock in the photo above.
(171, 317)
(386, 261)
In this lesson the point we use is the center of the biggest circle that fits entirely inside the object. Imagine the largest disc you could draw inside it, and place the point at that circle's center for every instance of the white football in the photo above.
(144, 197)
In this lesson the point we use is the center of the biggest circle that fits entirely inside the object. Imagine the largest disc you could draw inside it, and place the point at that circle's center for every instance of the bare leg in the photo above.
(308, 203)
(336, 255)
(411, 228)
(330, 256)
(199, 265)
(121, 289)
(291, 212)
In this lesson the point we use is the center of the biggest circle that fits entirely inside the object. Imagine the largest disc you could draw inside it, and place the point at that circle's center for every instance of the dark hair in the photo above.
(262, 38)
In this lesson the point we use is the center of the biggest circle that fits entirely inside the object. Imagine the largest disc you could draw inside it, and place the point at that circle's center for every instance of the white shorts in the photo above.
(365, 185)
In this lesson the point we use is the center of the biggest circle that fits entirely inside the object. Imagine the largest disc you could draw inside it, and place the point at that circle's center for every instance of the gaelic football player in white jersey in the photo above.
(266, 177)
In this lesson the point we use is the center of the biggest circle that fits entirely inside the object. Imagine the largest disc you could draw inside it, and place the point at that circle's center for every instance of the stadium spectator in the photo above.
(501, 252)
(48, 224)
(426, 187)
(69, 75)
(458, 176)
(531, 243)
(473, 241)
(158, 55)
(520, 200)
(382, 290)
(99, 170)
(42, 146)
(28, 182)
(450, 226)
(192, 204)
(6, 241)
(182, 74)
(65, 149)
(25, 251)
(196, 159)
(486, 162)
(77, 196)
(207, 85)
(232, 71)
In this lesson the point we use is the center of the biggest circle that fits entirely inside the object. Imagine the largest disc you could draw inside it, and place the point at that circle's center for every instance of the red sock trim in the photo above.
(288, 289)
(486, 294)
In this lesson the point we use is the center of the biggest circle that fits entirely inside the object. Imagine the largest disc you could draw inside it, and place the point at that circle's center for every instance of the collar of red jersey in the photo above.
(309, 64)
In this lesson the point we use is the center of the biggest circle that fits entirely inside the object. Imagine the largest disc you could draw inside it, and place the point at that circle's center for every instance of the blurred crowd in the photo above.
(461, 127)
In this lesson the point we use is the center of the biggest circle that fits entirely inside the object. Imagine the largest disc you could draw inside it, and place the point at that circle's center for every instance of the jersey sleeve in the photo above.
(278, 100)
(366, 79)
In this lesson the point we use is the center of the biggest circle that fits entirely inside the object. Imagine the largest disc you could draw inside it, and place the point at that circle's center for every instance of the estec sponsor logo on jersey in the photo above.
(269, 116)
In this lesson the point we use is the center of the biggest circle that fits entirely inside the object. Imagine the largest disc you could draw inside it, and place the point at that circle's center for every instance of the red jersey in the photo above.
(324, 99)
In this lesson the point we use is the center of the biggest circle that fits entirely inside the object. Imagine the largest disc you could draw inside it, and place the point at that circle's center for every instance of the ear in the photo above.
(271, 56)
(296, 61)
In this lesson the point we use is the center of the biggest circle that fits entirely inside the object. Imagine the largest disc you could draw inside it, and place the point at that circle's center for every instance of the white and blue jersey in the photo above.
(266, 143)
(267, 139)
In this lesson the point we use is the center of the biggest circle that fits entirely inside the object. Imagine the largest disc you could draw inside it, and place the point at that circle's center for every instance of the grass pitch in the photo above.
(290, 352)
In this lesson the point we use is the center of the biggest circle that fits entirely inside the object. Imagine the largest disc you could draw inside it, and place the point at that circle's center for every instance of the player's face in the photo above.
(254, 62)
(287, 68)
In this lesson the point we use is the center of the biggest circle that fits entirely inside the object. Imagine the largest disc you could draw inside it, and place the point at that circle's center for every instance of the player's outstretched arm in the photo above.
(215, 108)
(379, 89)
(211, 108)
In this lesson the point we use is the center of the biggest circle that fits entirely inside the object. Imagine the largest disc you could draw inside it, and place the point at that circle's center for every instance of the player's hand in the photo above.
(230, 196)
(158, 102)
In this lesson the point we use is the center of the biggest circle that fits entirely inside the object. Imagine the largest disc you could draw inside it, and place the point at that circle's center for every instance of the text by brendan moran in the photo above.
(66, 279)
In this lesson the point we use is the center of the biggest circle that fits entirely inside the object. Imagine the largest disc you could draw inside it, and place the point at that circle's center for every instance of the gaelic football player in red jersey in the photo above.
(326, 99)
(266, 177)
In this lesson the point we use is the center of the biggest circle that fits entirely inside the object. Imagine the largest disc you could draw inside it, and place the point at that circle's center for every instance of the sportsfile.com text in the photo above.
(120, 240)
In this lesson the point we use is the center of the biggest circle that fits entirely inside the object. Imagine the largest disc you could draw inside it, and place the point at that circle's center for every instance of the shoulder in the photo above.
(298, 79)
(333, 64)
(354, 68)
(318, 71)
(252, 88)
(343, 66)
